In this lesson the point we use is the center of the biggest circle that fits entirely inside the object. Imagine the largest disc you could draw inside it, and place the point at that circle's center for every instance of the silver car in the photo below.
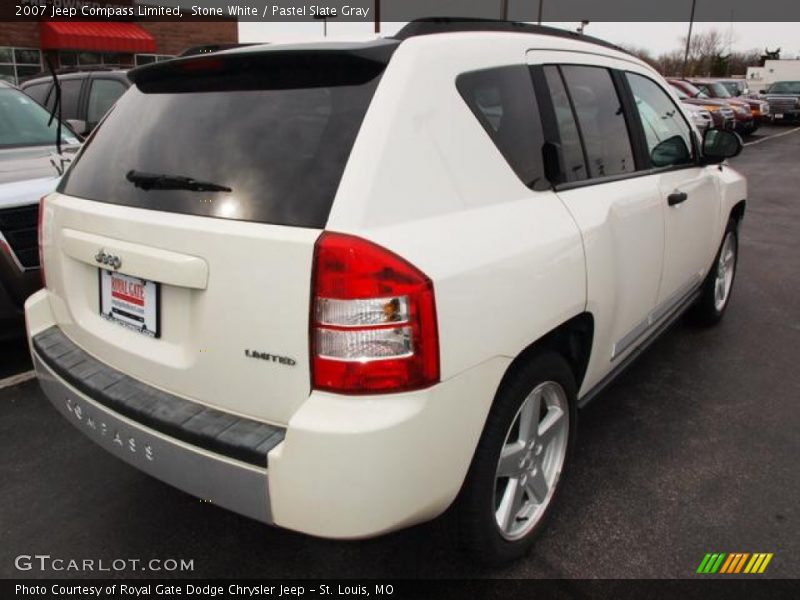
(30, 167)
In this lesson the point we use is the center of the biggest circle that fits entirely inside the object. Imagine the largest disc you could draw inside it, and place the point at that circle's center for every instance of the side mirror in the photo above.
(78, 126)
(719, 144)
(762, 91)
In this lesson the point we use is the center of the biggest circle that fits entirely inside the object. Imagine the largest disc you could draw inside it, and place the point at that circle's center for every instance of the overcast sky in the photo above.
(658, 37)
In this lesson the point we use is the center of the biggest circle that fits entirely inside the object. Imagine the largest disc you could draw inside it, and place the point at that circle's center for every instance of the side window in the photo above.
(70, 94)
(103, 95)
(504, 103)
(38, 92)
(601, 120)
(573, 160)
(668, 135)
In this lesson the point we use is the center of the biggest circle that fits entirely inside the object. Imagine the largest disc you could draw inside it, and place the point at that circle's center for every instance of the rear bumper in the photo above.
(345, 467)
(201, 451)
(236, 486)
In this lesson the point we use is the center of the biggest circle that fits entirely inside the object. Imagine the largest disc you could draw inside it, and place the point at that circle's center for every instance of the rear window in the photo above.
(279, 142)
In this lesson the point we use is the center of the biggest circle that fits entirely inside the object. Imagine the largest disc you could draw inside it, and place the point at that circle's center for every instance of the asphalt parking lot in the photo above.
(694, 450)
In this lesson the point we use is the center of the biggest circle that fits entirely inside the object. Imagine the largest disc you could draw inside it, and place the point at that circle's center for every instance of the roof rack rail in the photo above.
(433, 25)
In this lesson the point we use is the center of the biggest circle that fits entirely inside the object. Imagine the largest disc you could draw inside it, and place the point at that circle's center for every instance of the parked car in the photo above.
(736, 87)
(743, 115)
(722, 115)
(715, 89)
(701, 117)
(86, 95)
(412, 262)
(29, 168)
(784, 100)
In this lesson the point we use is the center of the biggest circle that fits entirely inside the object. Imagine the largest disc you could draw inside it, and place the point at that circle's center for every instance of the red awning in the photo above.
(103, 37)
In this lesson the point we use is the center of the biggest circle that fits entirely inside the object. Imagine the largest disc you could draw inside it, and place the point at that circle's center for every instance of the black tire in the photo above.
(707, 311)
(478, 533)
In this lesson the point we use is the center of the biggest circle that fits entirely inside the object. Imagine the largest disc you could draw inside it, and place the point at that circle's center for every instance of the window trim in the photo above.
(577, 122)
(562, 187)
(632, 119)
(626, 116)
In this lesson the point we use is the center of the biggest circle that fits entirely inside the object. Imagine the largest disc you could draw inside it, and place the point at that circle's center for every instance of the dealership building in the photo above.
(25, 46)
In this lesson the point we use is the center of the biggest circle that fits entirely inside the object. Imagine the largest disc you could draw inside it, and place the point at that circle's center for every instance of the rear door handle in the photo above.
(677, 197)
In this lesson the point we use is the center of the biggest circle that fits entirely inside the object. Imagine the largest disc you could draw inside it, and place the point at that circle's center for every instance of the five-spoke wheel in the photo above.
(531, 460)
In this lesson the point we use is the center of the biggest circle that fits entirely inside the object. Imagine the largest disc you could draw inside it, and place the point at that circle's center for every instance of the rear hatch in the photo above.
(179, 246)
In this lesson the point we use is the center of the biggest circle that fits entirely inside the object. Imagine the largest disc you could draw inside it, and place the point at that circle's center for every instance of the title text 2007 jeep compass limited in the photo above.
(342, 287)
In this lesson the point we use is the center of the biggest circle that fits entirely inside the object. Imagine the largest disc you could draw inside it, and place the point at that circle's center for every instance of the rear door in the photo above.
(616, 208)
(689, 192)
(204, 290)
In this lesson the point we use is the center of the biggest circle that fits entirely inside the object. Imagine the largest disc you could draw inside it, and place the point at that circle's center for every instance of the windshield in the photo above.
(734, 87)
(681, 94)
(693, 91)
(23, 122)
(273, 152)
(720, 91)
(785, 87)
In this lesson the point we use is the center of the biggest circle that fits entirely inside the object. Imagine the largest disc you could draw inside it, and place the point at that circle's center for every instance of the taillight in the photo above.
(40, 237)
(373, 319)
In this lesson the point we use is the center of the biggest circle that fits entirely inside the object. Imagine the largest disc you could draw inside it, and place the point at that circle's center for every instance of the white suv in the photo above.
(341, 287)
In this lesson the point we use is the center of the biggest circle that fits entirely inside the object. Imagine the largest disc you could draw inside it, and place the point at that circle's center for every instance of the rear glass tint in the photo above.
(503, 101)
(278, 141)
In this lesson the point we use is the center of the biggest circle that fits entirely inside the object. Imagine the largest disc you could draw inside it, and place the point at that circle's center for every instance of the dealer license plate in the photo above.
(130, 301)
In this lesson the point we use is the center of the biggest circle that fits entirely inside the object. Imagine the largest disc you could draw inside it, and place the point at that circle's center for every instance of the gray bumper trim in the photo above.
(229, 483)
(207, 428)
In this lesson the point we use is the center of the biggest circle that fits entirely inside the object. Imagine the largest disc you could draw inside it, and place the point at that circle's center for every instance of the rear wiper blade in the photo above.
(161, 181)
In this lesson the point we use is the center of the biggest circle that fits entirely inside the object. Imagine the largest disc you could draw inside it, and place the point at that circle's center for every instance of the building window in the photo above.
(88, 59)
(146, 59)
(17, 64)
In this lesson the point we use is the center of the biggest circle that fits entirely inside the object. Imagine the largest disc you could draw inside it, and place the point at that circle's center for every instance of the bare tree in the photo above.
(705, 51)
(641, 53)
(707, 57)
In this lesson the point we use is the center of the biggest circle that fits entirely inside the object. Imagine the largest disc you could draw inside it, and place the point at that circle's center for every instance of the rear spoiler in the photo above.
(268, 67)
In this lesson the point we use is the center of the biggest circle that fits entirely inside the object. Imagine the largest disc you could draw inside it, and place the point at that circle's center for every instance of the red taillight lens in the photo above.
(40, 237)
(373, 319)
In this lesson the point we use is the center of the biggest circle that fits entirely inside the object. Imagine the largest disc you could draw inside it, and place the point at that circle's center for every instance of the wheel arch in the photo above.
(737, 212)
(572, 339)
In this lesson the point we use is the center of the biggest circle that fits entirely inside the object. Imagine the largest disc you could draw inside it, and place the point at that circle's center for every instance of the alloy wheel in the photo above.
(531, 460)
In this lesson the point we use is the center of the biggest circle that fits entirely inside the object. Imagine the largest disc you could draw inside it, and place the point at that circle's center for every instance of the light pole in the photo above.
(541, 6)
(688, 40)
(504, 9)
(324, 18)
